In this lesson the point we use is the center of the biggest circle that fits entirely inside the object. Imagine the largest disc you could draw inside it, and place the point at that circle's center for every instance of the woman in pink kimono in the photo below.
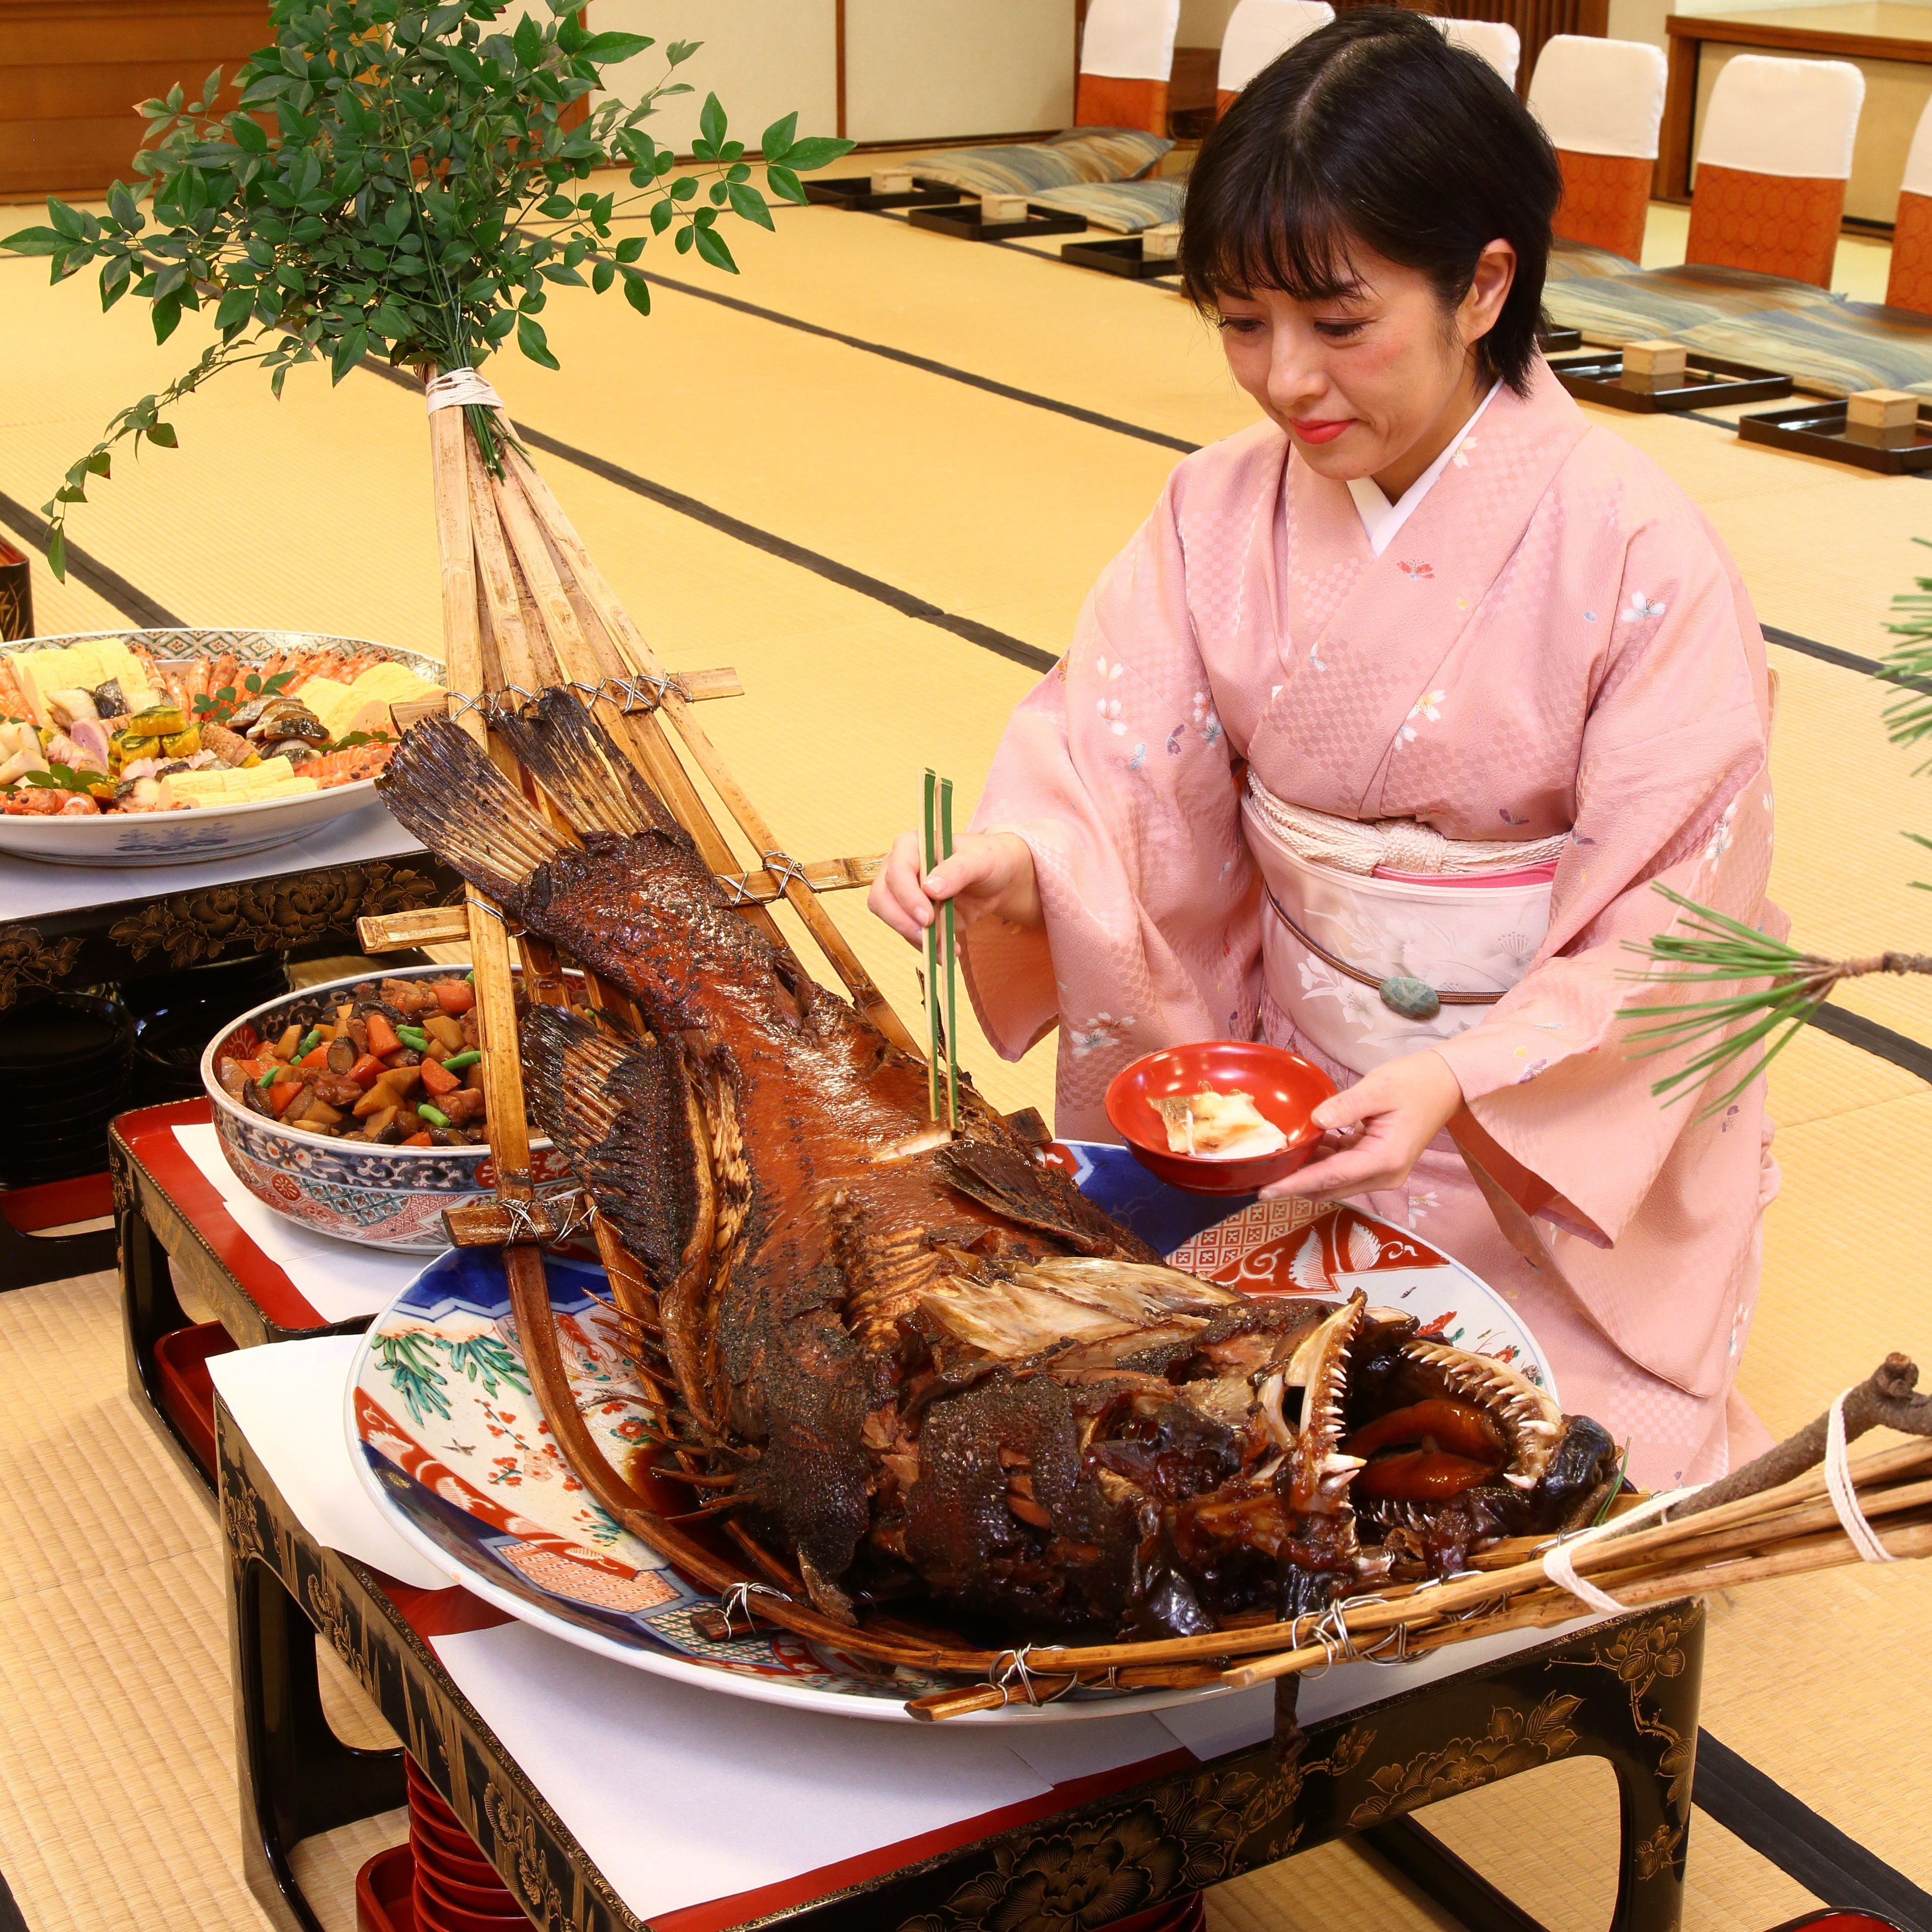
(1375, 740)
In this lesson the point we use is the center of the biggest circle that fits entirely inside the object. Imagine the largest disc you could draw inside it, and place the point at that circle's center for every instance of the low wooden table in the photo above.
(1627, 1691)
(167, 1217)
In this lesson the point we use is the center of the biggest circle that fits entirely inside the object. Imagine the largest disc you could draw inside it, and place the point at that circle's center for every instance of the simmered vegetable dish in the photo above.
(396, 1063)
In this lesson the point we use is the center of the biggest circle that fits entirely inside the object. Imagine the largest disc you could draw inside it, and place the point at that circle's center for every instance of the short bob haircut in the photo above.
(1375, 131)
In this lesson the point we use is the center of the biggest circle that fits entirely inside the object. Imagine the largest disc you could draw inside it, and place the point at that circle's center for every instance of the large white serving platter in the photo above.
(446, 1433)
(209, 832)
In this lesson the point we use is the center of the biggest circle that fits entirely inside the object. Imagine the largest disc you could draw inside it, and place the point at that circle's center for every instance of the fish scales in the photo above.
(930, 1366)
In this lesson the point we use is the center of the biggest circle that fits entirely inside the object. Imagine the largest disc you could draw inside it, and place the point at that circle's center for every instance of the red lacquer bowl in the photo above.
(1285, 1089)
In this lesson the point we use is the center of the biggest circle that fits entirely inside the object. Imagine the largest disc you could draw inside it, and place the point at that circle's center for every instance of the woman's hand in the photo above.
(1400, 1108)
(988, 872)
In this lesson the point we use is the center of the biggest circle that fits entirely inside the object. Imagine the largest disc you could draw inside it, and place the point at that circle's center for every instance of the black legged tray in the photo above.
(1120, 255)
(855, 191)
(1597, 376)
(1819, 429)
(964, 222)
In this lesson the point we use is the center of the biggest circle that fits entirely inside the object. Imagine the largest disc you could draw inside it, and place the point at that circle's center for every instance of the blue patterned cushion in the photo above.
(1027, 167)
(1125, 207)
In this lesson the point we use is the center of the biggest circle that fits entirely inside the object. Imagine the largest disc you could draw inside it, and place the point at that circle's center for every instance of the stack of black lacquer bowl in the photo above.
(176, 1014)
(65, 1061)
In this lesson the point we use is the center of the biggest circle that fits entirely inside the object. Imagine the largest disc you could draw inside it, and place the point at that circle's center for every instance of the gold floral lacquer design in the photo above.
(268, 915)
(1515, 1741)
(29, 959)
(1163, 1847)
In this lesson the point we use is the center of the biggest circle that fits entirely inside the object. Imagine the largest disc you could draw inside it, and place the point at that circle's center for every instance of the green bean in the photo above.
(457, 1062)
(268, 1078)
(413, 1036)
(310, 1041)
(435, 1117)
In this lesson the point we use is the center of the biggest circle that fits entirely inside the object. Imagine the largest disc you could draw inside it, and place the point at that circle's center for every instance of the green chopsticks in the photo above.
(941, 1020)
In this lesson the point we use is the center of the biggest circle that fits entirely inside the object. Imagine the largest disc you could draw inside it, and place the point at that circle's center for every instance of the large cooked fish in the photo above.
(925, 1364)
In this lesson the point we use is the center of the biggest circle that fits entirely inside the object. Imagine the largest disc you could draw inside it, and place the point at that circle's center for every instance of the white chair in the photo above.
(1776, 152)
(1494, 40)
(1910, 284)
(1258, 32)
(1601, 103)
(1127, 56)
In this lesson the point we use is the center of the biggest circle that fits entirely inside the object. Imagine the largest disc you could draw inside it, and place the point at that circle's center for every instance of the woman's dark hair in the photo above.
(1375, 130)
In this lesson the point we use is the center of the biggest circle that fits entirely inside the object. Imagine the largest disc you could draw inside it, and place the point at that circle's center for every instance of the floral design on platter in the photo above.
(1515, 1741)
(272, 915)
(29, 960)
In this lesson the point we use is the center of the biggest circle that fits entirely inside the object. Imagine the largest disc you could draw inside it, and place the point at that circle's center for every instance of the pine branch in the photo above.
(1778, 989)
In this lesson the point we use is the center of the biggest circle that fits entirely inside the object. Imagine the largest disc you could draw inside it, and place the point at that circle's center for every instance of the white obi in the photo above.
(1451, 932)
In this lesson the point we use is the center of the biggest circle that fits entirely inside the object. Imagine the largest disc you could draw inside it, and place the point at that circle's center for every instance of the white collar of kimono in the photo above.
(1380, 519)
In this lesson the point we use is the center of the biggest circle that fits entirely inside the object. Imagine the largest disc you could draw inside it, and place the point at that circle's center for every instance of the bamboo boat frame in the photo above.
(525, 608)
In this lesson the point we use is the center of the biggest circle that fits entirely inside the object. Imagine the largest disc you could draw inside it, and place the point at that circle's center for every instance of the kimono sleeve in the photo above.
(1671, 789)
(1117, 772)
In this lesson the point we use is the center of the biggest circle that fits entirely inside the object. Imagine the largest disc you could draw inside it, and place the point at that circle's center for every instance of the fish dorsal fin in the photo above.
(566, 750)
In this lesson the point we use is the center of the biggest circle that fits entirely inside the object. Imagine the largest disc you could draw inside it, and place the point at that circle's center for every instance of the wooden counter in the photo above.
(72, 72)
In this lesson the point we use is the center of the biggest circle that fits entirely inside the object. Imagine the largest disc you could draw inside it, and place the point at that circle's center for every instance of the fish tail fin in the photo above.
(573, 758)
(442, 786)
(613, 1105)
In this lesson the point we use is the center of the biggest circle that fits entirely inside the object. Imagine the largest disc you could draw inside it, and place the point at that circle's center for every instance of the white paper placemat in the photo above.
(339, 1279)
(28, 890)
(287, 1398)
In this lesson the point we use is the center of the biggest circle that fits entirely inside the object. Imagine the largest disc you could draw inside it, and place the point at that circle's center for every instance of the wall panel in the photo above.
(933, 70)
(761, 58)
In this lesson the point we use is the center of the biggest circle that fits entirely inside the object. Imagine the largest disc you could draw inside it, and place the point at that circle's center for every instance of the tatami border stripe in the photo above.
(929, 366)
(127, 599)
(828, 568)
(1836, 1869)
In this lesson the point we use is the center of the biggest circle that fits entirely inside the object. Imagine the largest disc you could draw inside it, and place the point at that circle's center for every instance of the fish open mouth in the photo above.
(911, 1373)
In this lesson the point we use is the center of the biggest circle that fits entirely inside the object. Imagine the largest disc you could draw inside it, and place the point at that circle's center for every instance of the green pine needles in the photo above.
(1763, 991)
(387, 208)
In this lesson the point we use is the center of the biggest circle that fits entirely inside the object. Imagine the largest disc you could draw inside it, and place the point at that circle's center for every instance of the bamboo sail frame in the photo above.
(523, 607)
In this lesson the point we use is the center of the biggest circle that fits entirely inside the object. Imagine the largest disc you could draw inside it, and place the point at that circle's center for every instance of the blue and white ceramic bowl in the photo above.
(383, 1197)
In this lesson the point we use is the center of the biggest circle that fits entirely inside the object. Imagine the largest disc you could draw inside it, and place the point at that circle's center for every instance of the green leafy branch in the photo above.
(370, 191)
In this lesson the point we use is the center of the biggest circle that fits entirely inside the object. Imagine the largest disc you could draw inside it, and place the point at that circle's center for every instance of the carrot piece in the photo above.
(455, 996)
(318, 1057)
(382, 1040)
(417, 1140)
(437, 1081)
(283, 1094)
(367, 1071)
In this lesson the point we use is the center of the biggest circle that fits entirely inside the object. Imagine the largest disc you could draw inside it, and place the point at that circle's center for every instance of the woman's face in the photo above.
(1373, 383)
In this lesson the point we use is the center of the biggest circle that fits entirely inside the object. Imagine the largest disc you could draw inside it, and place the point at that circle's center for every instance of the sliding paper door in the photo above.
(933, 70)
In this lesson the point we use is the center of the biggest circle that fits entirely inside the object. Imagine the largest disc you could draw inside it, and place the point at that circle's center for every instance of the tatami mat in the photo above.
(117, 1798)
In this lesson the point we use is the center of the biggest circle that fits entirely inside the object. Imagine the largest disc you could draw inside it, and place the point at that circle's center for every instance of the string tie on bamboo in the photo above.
(736, 1602)
(1558, 1561)
(457, 388)
(1010, 1676)
(1843, 1492)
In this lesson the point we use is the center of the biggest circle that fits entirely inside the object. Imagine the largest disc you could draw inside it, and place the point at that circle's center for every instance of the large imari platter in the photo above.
(445, 1430)
(210, 831)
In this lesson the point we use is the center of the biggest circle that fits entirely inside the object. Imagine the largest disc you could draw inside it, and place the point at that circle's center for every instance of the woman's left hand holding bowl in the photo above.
(1399, 1109)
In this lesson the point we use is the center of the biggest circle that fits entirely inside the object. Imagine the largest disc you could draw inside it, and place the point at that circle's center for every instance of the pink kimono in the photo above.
(1555, 642)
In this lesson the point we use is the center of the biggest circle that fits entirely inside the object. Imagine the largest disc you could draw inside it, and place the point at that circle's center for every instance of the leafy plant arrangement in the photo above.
(386, 209)
(1775, 988)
